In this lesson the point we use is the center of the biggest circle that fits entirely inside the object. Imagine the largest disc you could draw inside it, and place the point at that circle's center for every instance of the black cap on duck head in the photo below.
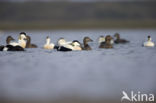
(47, 37)
(87, 39)
(9, 39)
(23, 33)
(76, 41)
(149, 36)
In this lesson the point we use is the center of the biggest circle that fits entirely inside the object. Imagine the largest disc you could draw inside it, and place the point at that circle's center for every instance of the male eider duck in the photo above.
(85, 43)
(149, 42)
(63, 43)
(13, 46)
(68, 46)
(48, 45)
(119, 40)
(107, 44)
(29, 45)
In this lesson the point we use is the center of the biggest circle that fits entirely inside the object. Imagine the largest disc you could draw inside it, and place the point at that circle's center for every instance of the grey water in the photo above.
(95, 74)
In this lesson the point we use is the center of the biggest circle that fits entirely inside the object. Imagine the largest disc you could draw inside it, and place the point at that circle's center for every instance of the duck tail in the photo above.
(1, 48)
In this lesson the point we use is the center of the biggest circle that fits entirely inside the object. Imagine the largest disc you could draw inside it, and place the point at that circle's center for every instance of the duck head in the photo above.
(61, 41)
(149, 38)
(117, 35)
(48, 40)
(86, 40)
(22, 36)
(108, 39)
(28, 41)
(9, 39)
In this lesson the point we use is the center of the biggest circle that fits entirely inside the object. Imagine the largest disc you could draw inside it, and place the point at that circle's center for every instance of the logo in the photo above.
(137, 97)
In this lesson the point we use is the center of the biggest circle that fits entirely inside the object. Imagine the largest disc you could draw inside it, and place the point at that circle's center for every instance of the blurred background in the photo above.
(77, 14)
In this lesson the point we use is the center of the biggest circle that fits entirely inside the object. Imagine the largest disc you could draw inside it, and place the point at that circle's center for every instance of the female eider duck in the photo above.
(107, 44)
(48, 45)
(102, 40)
(119, 40)
(149, 42)
(85, 43)
(29, 45)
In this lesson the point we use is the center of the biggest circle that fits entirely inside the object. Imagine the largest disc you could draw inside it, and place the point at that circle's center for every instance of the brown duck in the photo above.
(9, 39)
(29, 45)
(107, 44)
(119, 40)
(86, 45)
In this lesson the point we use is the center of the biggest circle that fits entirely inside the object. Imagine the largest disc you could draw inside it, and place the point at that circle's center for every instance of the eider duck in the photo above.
(107, 44)
(63, 43)
(149, 42)
(29, 45)
(13, 46)
(68, 46)
(48, 45)
(119, 40)
(85, 43)
(9, 39)
(102, 39)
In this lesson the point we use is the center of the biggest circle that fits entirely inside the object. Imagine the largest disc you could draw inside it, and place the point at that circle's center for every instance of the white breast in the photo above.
(149, 44)
(49, 46)
(22, 43)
